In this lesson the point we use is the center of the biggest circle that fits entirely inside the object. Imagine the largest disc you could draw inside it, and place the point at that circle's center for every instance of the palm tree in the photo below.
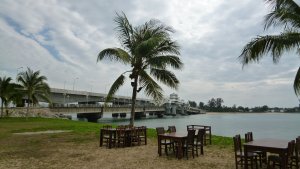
(6, 89)
(284, 13)
(149, 50)
(33, 87)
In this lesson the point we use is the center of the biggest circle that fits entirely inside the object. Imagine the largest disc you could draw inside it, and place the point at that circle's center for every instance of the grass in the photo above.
(82, 144)
(18, 125)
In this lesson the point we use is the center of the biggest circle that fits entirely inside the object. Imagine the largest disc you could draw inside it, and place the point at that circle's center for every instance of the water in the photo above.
(263, 125)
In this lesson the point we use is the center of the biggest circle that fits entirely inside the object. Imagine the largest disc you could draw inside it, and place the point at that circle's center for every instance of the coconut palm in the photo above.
(149, 50)
(285, 13)
(33, 87)
(6, 89)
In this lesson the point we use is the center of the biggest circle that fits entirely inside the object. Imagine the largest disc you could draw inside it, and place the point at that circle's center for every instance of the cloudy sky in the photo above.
(62, 38)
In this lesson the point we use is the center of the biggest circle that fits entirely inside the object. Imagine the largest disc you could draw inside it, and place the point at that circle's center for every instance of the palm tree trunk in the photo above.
(27, 111)
(1, 108)
(134, 93)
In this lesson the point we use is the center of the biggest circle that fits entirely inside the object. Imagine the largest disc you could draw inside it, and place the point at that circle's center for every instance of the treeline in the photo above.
(216, 105)
(29, 85)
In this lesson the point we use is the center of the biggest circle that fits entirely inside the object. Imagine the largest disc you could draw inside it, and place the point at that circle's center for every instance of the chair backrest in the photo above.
(141, 130)
(160, 130)
(200, 135)
(297, 147)
(120, 131)
(172, 129)
(191, 137)
(248, 137)
(237, 144)
(107, 126)
(291, 148)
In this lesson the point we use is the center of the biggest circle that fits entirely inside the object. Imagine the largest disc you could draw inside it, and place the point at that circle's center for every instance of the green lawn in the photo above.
(79, 128)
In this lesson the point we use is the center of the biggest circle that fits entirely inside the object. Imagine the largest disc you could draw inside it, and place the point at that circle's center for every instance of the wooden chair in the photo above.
(240, 156)
(171, 129)
(296, 156)
(121, 136)
(142, 134)
(106, 134)
(134, 138)
(262, 156)
(275, 160)
(189, 145)
(199, 141)
(166, 143)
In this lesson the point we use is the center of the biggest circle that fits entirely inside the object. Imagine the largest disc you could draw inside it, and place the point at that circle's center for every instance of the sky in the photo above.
(62, 39)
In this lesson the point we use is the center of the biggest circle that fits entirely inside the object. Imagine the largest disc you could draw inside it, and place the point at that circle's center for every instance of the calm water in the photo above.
(263, 125)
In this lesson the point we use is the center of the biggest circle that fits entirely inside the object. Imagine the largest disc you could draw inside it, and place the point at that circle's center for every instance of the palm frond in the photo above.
(297, 83)
(115, 87)
(166, 77)
(275, 44)
(151, 88)
(162, 61)
(282, 17)
(124, 29)
(114, 54)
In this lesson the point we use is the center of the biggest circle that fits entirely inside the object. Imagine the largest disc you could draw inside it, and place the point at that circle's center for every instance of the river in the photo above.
(263, 125)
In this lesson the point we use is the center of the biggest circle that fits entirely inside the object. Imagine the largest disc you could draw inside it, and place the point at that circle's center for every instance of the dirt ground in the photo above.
(67, 151)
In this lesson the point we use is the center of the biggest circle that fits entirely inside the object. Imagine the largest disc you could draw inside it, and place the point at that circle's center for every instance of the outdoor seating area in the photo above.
(268, 153)
(123, 136)
(182, 144)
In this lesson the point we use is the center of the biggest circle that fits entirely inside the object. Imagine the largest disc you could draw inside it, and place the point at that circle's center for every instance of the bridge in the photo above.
(90, 105)
(63, 97)
(94, 113)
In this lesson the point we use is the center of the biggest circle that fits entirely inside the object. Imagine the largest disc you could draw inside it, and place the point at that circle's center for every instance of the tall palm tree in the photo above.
(149, 50)
(6, 89)
(285, 13)
(33, 87)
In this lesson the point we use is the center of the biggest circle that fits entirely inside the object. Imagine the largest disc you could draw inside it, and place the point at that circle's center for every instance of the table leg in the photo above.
(110, 139)
(101, 138)
(283, 157)
(179, 151)
(246, 157)
(159, 145)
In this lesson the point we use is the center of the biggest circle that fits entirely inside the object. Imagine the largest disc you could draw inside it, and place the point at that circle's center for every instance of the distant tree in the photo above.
(192, 103)
(241, 109)
(201, 105)
(219, 102)
(33, 86)
(8, 92)
(6, 89)
(265, 108)
(212, 103)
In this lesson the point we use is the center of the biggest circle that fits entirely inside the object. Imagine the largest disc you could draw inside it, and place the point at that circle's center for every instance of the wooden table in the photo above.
(175, 136)
(268, 145)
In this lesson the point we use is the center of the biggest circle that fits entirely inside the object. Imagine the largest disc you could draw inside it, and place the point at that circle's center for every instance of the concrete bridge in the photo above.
(63, 97)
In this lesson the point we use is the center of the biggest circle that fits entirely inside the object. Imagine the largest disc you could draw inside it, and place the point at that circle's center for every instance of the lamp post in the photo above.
(74, 82)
